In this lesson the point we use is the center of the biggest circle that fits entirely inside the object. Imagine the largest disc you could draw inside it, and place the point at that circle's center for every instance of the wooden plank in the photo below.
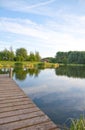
(24, 123)
(17, 111)
(14, 100)
(43, 126)
(20, 117)
(15, 104)
(12, 97)
(4, 109)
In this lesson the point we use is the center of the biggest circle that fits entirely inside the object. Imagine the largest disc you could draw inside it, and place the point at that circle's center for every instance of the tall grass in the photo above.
(75, 124)
(78, 124)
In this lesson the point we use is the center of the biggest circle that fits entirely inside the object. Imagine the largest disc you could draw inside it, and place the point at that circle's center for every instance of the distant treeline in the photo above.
(71, 57)
(20, 55)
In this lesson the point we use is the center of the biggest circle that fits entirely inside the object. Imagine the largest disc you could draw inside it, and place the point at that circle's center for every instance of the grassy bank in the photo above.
(8, 64)
(72, 64)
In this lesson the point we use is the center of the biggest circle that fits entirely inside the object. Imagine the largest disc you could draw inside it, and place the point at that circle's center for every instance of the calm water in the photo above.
(60, 92)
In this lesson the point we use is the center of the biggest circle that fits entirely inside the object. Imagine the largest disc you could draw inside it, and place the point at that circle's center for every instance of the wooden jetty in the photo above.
(17, 111)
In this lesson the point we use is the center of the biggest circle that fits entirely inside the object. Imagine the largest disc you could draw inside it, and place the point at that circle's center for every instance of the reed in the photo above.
(75, 124)
(78, 124)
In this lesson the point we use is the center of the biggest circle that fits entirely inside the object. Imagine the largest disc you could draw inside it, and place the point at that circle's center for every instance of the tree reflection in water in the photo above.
(20, 73)
(71, 71)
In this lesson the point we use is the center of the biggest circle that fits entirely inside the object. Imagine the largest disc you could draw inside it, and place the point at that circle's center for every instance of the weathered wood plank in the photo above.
(4, 109)
(15, 100)
(24, 123)
(17, 111)
(12, 97)
(43, 126)
(15, 104)
(20, 117)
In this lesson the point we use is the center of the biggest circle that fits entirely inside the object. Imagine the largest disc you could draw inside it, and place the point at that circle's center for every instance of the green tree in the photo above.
(21, 54)
(11, 54)
(61, 57)
(1, 55)
(32, 57)
(7, 55)
(71, 57)
(37, 56)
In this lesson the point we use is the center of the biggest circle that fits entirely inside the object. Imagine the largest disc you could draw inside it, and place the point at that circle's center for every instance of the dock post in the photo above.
(10, 73)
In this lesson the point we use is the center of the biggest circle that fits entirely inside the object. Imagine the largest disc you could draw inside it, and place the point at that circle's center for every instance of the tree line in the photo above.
(71, 57)
(20, 55)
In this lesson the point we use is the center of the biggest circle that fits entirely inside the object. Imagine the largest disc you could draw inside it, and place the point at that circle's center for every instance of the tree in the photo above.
(1, 55)
(11, 54)
(21, 54)
(61, 57)
(37, 56)
(31, 56)
(71, 57)
(6, 55)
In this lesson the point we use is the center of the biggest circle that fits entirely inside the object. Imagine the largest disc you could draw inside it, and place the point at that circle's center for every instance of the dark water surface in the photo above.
(60, 92)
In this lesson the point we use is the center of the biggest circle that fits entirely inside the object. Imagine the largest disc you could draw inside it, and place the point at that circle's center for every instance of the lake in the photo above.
(60, 92)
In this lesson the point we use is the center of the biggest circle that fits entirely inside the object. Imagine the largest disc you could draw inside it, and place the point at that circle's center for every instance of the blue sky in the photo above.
(47, 26)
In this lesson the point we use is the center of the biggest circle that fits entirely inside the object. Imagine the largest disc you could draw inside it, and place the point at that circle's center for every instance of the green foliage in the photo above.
(31, 56)
(61, 57)
(34, 57)
(7, 55)
(21, 54)
(78, 124)
(37, 56)
(19, 58)
(71, 57)
(7, 64)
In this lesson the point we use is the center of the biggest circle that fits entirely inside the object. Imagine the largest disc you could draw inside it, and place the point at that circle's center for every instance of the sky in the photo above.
(46, 26)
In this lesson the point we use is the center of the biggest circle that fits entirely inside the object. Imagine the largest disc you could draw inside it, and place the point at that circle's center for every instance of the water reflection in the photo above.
(71, 71)
(59, 96)
(4, 70)
(33, 72)
(21, 73)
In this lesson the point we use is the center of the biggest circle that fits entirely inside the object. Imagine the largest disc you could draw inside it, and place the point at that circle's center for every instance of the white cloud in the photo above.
(30, 5)
(48, 88)
(35, 7)
(57, 36)
(51, 31)
(40, 4)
